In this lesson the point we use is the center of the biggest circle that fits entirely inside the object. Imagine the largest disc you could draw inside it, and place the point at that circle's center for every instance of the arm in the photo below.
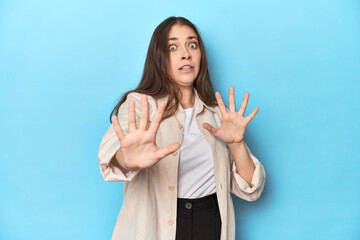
(246, 170)
(109, 147)
(249, 190)
(109, 166)
(243, 162)
(125, 152)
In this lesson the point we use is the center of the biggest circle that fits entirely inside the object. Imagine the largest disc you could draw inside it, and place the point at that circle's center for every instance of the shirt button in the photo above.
(171, 187)
(174, 153)
(180, 126)
(188, 205)
(170, 222)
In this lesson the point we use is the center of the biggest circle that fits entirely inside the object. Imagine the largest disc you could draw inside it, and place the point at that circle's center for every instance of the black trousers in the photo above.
(198, 219)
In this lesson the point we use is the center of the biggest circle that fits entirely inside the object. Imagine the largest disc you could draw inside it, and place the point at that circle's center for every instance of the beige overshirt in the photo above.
(150, 195)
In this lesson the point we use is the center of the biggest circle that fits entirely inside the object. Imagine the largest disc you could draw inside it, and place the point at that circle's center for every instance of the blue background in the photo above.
(64, 64)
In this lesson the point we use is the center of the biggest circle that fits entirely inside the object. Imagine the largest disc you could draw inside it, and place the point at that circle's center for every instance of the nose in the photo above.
(186, 55)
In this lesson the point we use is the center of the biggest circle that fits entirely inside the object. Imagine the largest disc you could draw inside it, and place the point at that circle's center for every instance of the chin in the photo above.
(186, 82)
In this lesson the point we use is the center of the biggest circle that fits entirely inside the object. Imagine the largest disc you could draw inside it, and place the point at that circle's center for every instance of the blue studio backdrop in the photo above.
(64, 65)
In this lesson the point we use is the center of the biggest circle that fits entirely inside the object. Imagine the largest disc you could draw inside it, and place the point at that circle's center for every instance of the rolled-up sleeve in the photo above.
(109, 167)
(240, 187)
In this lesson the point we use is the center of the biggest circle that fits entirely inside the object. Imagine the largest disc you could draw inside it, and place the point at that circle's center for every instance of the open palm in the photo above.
(233, 125)
(138, 148)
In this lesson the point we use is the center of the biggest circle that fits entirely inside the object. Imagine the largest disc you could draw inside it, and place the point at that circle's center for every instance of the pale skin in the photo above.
(138, 148)
(232, 130)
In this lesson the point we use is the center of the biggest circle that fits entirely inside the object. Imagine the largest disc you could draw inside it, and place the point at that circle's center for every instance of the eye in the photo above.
(172, 47)
(193, 45)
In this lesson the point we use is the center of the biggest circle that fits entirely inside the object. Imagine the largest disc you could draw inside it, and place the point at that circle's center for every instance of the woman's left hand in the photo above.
(233, 123)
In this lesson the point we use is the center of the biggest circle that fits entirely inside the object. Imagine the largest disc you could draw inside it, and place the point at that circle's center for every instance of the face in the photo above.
(185, 55)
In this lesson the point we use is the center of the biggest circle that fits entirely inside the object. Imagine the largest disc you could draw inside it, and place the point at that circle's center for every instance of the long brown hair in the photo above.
(156, 81)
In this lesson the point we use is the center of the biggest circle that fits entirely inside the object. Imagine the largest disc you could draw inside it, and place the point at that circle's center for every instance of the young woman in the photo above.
(179, 150)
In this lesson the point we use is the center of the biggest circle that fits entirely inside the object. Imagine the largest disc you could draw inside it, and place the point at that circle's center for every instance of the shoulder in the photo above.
(136, 97)
(216, 110)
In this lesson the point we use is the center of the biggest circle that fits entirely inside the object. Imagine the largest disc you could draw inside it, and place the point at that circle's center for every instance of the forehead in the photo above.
(181, 31)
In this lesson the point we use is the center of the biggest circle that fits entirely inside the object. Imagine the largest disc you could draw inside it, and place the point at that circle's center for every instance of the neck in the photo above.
(188, 99)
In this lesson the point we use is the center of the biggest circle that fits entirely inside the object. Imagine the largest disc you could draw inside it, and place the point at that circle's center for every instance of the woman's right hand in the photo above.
(137, 149)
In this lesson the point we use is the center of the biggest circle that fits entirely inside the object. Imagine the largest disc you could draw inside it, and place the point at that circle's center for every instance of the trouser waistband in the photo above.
(198, 204)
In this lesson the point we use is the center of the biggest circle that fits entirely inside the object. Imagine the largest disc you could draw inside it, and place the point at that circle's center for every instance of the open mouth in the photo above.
(186, 68)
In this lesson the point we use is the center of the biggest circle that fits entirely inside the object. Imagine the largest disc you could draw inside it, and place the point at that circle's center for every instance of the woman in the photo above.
(179, 150)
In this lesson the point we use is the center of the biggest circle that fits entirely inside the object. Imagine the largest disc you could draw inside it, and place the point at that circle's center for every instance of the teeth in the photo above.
(186, 67)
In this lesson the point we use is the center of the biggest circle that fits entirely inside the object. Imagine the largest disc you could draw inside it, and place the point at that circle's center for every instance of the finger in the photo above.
(221, 104)
(244, 104)
(163, 152)
(232, 104)
(131, 117)
(252, 115)
(157, 118)
(119, 132)
(210, 128)
(144, 113)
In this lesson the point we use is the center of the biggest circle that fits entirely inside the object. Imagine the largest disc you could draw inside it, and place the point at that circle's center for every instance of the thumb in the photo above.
(210, 128)
(163, 152)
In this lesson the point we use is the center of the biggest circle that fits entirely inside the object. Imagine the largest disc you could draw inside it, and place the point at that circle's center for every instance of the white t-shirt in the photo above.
(196, 166)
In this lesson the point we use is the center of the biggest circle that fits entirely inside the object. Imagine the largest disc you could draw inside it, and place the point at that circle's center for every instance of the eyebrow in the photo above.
(190, 37)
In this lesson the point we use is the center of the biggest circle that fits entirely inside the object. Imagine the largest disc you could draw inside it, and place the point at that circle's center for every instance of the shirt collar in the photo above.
(201, 104)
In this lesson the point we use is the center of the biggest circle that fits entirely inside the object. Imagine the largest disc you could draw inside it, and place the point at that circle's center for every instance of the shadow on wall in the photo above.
(243, 207)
